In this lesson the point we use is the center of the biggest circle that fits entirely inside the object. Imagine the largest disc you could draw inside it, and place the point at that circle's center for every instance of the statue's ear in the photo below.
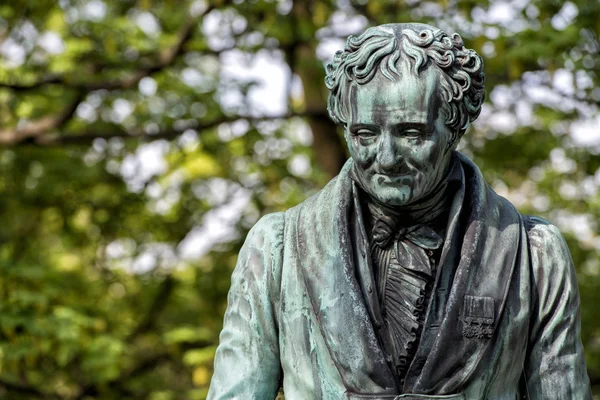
(455, 139)
(346, 133)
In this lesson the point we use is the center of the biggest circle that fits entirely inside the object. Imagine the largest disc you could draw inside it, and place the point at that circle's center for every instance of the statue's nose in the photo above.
(387, 154)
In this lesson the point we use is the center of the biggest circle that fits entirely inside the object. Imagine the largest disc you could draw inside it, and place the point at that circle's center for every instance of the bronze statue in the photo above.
(407, 276)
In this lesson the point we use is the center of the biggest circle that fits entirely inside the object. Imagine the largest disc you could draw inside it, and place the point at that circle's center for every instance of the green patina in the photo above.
(308, 308)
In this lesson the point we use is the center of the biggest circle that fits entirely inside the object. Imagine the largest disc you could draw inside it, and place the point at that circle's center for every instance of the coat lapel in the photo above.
(326, 262)
(472, 287)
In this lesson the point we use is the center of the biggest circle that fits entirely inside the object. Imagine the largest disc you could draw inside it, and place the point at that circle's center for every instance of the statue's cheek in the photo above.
(365, 155)
(418, 155)
(429, 153)
(361, 153)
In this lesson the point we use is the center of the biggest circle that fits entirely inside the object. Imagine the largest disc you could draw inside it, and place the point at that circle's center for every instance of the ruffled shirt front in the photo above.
(404, 270)
(405, 276)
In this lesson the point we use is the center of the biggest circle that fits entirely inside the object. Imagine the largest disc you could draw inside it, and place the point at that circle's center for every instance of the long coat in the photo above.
(503, 320)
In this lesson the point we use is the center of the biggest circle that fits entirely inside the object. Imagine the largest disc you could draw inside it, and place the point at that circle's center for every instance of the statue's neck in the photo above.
(422, 211)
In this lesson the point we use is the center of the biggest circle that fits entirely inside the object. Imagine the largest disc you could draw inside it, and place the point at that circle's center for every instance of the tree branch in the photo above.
(19, 87)
(87, 137)
(158, 304)
(38, 128)
(34, 129)
(26, 390)
(144, 366)
(117, 384)
(164, 59)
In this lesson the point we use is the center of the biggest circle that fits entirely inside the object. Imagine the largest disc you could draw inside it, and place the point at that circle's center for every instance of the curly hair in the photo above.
(379, 49)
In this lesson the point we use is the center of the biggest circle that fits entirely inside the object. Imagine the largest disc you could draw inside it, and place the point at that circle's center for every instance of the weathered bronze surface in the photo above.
(406, 277)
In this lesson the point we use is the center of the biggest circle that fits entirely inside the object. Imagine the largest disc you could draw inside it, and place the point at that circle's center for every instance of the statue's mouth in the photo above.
(383, 179)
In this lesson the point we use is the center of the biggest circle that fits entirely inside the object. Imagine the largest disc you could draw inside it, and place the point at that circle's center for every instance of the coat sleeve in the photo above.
(247, 362)
(555, 364)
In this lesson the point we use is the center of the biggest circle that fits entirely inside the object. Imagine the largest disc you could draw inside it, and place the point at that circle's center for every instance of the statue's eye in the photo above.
(364, 133)
(412, 132)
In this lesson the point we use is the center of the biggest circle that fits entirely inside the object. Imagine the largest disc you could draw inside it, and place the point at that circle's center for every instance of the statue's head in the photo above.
(405, 94)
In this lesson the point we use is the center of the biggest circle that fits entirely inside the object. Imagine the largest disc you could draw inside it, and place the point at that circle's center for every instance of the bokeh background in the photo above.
(140, 140)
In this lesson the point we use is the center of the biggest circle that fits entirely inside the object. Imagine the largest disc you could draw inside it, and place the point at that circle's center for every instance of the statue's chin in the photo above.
(397, 191)
(399, 195)
(393, 196)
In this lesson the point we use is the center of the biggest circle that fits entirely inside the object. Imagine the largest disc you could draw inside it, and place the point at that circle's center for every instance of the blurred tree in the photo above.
(141, 140)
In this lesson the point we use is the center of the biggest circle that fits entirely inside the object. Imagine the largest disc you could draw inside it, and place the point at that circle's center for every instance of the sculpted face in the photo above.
(397, 136)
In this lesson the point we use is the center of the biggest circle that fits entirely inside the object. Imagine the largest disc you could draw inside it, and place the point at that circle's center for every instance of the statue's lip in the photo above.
(387, 179)
(394, 176)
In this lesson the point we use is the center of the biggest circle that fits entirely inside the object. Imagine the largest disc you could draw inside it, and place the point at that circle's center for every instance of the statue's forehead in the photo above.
(409, 97)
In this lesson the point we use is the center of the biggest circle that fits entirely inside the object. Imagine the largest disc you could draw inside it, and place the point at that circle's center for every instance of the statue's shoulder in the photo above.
(268, 230)
(261, 256)
(550, 256)
(542, 233)
(325, 197)
(273, 225)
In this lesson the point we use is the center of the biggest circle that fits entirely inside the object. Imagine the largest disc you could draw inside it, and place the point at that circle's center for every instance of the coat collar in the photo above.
(478, 258)
(482, 248)
(326, 262)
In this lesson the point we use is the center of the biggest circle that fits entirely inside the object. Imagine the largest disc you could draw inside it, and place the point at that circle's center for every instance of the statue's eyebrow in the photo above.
(353, 127)
(421, 126)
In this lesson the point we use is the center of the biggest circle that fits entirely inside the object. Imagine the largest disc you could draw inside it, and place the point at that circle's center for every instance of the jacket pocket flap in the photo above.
(478, 317)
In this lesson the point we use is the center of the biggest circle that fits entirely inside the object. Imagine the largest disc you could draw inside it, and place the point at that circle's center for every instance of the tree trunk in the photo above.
(328, 146)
